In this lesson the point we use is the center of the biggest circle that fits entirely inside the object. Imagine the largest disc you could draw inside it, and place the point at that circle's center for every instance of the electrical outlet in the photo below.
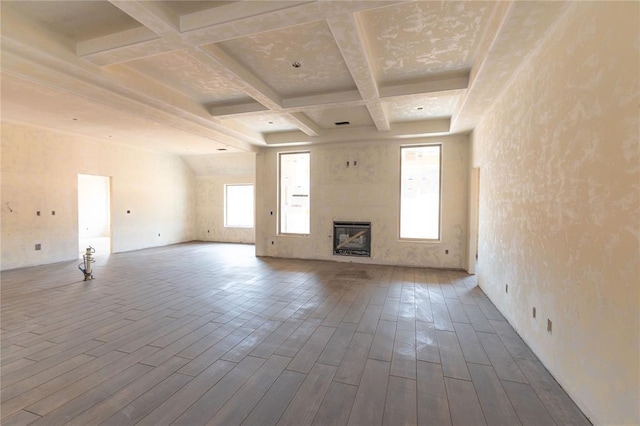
(534, 311)
(446, 252)
(549, 326)
(53, 212)
(38, 213)
(38, 246)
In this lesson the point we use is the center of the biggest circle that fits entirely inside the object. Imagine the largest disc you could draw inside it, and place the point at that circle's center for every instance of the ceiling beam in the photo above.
(407, 130)
(304, 123)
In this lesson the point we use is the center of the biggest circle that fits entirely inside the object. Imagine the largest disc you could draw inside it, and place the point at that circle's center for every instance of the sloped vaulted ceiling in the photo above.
(192, 77)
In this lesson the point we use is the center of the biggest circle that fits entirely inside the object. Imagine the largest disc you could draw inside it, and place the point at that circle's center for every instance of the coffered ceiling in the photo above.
(198, 77)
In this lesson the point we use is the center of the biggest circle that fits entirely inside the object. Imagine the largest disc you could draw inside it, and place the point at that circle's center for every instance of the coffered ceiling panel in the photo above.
(422, 107)
(78, 20)
(419, 39)
(265, 123)
(294, 61)
(242, 75)
(202, 82)
(327, 118)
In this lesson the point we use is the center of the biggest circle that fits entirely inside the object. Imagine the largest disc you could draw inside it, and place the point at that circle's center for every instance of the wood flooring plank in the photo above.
(215, 352)
(432, 402)
(427, 342)
(390, 309)
(453, 362)
(463, 403)
(354, 360)
(501, 360)
(403, 360)
(555, 399)
(477, 318)
(369, 320)
(270, 408)
(55, 400)
(382, 346)
(272, 342)
(510, 339)
(368, 407)
(528, 406)
(305, 359)
(495, 404)
(214, 399)
(471, 347)
(400, 407)
(111, 405)
(441, 317)
(306, 402)
(298, 338)
(237, 408)
(337, 346)
(249, 343)
(63, 414)
(336, 405)
(31, 396)
(44, 376)
(21, 418)
(456, 311)
(334, 318)
(176, 347)
(149, 401)
(423, 310)
(179, 402)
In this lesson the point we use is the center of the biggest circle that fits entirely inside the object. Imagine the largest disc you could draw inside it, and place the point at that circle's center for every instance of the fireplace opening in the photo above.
(352, 238)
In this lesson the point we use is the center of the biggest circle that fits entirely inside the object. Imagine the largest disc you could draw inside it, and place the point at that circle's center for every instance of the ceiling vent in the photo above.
(342, 123)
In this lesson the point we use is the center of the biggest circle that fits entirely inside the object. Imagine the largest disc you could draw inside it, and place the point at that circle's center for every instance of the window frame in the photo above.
(279, 194)
(226, 206)
(440, 174)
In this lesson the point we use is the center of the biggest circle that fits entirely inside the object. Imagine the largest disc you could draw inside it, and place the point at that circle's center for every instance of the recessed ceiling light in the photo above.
(296, 64)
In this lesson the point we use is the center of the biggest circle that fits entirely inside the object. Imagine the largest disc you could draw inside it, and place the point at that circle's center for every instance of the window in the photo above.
(294, 192)
(238, 206)
(420, 192)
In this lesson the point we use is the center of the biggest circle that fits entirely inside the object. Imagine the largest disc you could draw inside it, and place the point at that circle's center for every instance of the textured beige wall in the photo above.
(210, 210)
(559, 188)
(213, 172)
(368, 192)
(40, 172)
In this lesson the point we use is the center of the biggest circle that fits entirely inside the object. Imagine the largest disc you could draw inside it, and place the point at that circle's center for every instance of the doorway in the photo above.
(94, 214)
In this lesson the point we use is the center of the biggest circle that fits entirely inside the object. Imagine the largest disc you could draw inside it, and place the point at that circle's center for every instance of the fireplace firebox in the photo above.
(352, 238)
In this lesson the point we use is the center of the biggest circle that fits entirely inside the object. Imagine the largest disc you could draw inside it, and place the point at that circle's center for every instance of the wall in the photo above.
(368, 192)
(40, 172)
(213, 172)
(560, 181)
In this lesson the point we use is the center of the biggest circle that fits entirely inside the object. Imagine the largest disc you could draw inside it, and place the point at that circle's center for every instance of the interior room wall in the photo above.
(213, 172)
(368, 192)
(40, 173)
(559, 201)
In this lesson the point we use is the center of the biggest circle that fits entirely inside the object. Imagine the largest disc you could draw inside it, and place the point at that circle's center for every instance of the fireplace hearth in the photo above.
(352, 239)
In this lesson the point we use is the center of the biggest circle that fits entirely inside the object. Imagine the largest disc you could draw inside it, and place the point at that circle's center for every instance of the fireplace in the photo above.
(352, 238)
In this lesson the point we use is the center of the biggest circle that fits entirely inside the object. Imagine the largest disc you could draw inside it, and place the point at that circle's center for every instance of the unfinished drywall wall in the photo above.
(559, 203)
(212, 173)
(368, 192)
(152, 204)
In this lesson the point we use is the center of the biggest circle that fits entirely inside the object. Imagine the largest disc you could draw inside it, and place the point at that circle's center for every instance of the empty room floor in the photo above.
(204, 333)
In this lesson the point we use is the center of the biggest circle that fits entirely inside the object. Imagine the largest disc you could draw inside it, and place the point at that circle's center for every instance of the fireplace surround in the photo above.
(352, 239)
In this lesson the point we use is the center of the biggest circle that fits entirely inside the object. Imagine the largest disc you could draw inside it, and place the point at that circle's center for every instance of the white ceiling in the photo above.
(197, 77)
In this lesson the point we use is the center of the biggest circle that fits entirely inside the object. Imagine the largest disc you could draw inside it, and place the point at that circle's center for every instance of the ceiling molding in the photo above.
(406, 130)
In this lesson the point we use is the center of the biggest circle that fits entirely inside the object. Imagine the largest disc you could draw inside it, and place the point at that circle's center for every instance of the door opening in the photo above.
(94, 214)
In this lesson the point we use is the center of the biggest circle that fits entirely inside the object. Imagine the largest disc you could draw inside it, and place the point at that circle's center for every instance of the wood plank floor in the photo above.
(208, 334)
